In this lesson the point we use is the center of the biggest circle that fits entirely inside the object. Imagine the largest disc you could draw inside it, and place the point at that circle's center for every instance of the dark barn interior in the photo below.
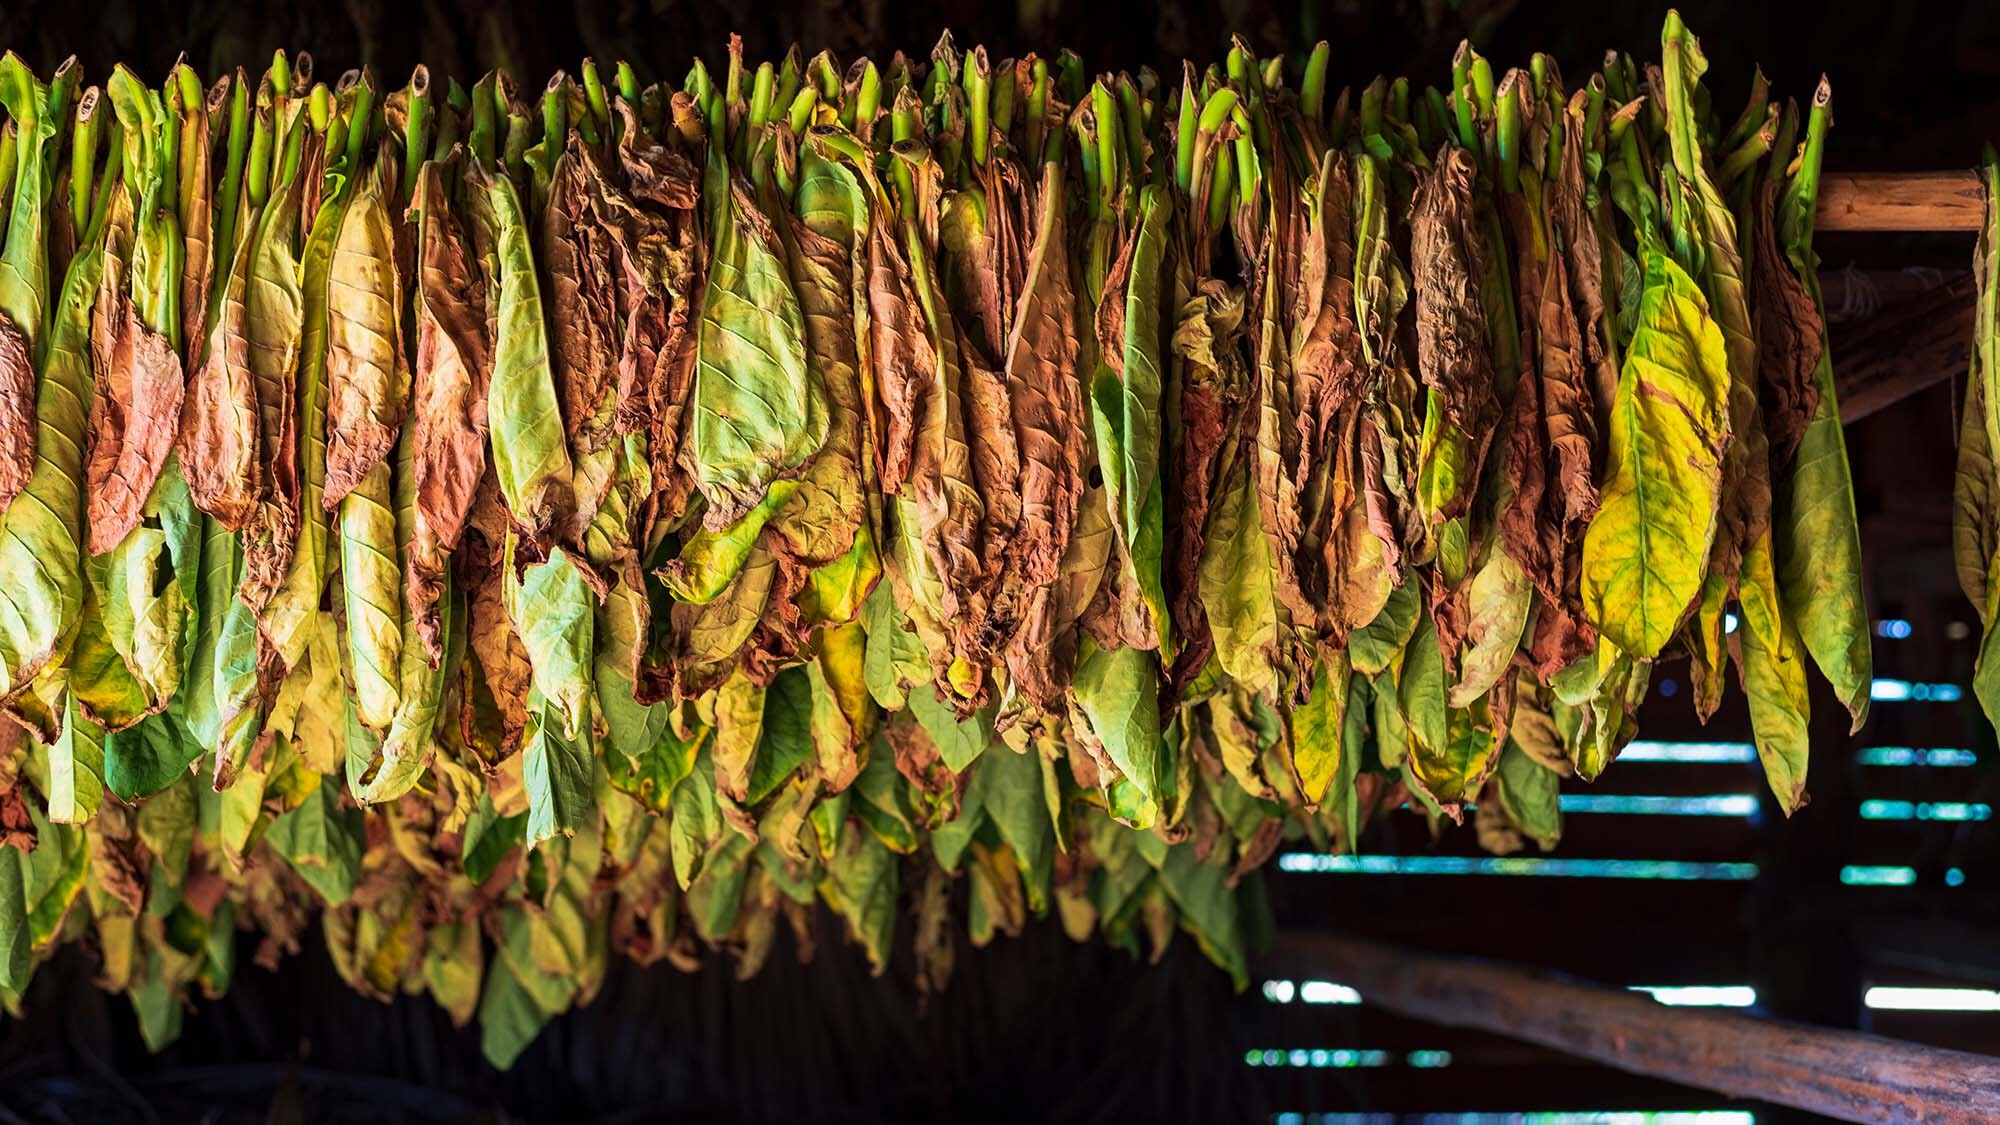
(1887, 879)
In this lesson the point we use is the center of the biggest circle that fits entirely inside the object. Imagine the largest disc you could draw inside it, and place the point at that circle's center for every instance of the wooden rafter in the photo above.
(1842, 1074)
(1905, 201)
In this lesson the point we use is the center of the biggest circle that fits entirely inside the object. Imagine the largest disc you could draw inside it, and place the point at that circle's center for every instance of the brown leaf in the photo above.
(576, 255)
(220, 420)
(1046, 391)
(1328, 374)
(995, 475)
(366, 376)
(1552, 431)
(498, 673)
(917, 759)
(270, 537)
(17, 829)
(17, 413)
(136, 405)
(906, 364)
(197, 213)
(1454, 349)
(1583, 251)
(451, 370)
(1207, 364)
(1789, 337)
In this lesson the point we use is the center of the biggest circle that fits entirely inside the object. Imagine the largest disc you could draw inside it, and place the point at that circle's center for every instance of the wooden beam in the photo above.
(1842, 1074)
(1909, 346)
(1906, 201)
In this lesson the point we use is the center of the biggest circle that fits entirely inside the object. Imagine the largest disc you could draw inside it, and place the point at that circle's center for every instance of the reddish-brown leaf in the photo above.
(451, 370)
(134, 410)
(17, 413)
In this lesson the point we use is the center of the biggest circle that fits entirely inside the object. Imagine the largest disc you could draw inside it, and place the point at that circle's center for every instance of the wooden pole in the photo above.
(1905, 201)
(1842, 1074)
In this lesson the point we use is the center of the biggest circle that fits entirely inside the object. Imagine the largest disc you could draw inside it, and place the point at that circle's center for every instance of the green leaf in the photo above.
(1208, 908)
(531, 458)
(420, 684)
(785, 738)
(41, 534)
(1774, 679)
(880, 804)
(24, 271)
(518, 999)
(559, 773)
(219, 701)
(1343, 805)
(371, 583)
(76, 768)
(1529, 796)
(1009, 786)
(894, 660)
(1118, 693)
(553, 610)
(1452, 749)
(1126, 416)
(1501, 598)
(651, 756)
(861, 885)
(149, 757)
(959, 741)
(16, 943)
(489, 837)
(1645, 552)
(323, 842)
(696, 823)
(1376, 646)
(53, 875)
(1316, 729)
(710, 560)
(756, 410)
(1817, 536)
(292, 615)
(1239, 587)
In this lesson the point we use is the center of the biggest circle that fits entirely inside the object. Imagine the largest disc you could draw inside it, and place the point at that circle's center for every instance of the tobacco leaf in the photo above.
(496, 671)
(17, 413)
(1208, 372)
(1789, 337)
(1046, 395)
(42, 540)
(219, 439)
(1772, 660)
(577, 257)
(366, 377)
(1327, 374)
(758, 415)
(1117, 701)
(828, 518)
(1816, 535)
(531, 458)
(656, 359)
(24, 271)
(1643, 555)
(1126, 413)
(195, 200)
(1453, 355)
(451, 368)
(135, 407)
(286, 567)
(1316, 730)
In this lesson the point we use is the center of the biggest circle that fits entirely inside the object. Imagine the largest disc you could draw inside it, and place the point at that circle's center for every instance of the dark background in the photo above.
(1038, 1028)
